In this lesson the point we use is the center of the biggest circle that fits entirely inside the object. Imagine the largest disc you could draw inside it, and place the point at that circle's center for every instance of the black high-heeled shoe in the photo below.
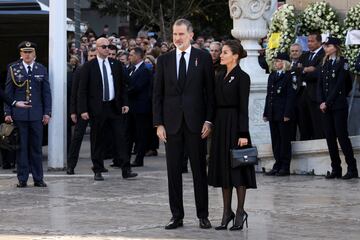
(223, 226)
(240, 219)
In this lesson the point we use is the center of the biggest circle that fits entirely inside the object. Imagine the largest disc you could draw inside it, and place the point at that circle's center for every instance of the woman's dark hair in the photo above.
(236, 48)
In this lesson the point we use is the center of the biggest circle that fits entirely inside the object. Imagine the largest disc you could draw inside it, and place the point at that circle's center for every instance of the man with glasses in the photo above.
(28, 81)
(102, 99)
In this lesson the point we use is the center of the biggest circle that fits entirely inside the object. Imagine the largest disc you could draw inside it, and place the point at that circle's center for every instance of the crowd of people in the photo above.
(133, 92)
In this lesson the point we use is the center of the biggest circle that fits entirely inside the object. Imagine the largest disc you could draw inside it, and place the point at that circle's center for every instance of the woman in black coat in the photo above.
(279, 111)
(334, 106)
(231, 130)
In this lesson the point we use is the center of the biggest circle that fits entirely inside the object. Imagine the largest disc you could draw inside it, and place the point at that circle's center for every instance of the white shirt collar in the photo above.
(138, 65)
(26, 65)
(101, 59)
(188, 50)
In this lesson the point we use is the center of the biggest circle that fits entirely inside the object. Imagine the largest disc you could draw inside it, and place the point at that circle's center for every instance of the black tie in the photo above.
(106, 83)
(182, 70)
(29, 71)
(311, 55)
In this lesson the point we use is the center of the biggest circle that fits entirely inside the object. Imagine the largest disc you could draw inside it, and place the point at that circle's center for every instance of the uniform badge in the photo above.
(231, 79)
(36, 67)
(333, 75)
(294, 79)
(196, 62)
(346, 66)
(278, 90)
(27, 44)
(294, 86)
(21, 67)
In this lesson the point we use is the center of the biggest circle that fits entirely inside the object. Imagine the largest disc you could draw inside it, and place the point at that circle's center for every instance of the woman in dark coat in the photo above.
(231, 130)
(334, 106)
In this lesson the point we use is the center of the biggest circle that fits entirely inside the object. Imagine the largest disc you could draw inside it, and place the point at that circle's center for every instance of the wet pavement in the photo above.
(76, 207)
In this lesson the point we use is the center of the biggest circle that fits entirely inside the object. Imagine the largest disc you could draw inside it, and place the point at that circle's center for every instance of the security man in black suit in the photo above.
(309, 115)
(139, 118)
(28, 81)
(80, 124)
(280, 111)
(102, 99)
(183, 103)
(334, 107)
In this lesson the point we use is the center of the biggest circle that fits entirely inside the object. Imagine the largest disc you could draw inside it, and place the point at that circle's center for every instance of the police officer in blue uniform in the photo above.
(28, 81)
(280, 112)
(334, 107)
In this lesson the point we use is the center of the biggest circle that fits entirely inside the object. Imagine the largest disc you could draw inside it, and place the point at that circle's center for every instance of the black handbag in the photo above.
(9, 137)
(243, 157)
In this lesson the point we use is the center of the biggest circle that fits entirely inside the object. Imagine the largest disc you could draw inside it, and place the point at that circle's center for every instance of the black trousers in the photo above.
(139, 130)
(29, 156)
(75, 145)
(116, 122)
(194, 146)
(335, 127)
(281, 134)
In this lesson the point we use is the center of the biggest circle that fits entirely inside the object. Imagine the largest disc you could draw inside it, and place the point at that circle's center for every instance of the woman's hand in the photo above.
(242, 142)
(323, 107)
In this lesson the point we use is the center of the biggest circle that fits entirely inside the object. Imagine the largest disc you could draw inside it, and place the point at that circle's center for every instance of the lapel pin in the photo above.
(231, 79)
(196, 62)
(36, 67)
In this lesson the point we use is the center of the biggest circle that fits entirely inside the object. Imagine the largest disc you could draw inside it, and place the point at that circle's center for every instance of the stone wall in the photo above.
(342, 6)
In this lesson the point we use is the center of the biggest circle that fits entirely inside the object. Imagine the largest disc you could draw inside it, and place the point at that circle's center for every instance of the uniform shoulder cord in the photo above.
(20, 85)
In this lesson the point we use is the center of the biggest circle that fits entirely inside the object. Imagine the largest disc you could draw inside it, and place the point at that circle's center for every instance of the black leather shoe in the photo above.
(273, 172)
(282, 173)
(128, 174)
(21, 185)
(151, 153)
(350, 175)
(98, 177)
(333, 175)
(174, 223)
(204, 223)
(40, 184)
(104, 170)
(70, 171)
(136, 164)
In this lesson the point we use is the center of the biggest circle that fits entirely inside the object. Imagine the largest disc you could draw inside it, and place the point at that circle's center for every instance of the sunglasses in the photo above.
(104, 46)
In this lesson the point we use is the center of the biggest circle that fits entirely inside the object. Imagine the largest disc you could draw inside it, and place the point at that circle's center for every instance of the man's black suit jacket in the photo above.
(139, 91)
(194, 103)
(90, 93)
(311, 78)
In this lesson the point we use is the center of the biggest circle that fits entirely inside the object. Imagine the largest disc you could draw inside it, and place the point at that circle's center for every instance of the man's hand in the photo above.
(286, 119)
(46, 119)
(206, 130)
(125, 109)
(242, 142)
(309, 69)
(323, 107)
(161, 133)
(8, 119)
(85, 116)
(22, 104)
(73, 118)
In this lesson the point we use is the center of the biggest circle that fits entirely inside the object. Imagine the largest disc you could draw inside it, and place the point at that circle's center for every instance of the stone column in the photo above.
(57, 77)
(250, 24)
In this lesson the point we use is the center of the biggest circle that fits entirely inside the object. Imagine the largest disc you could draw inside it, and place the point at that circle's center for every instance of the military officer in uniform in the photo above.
(334, 107)
(280, 111)
(28, 81)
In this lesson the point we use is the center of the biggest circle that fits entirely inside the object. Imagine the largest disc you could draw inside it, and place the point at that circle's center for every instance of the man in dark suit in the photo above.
(102, 99)
(139, 118)
(357, 64)
(183, 104)
(309, 113)
(28, 80)
(80, 124)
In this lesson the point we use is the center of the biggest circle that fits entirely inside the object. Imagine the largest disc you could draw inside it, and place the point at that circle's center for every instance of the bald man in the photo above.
(102, 99)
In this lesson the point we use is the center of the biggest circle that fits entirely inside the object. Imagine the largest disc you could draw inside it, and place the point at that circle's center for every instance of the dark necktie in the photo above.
(132, 70)
(311, 55)
(182, 70)
(29, 71)
(106, 83)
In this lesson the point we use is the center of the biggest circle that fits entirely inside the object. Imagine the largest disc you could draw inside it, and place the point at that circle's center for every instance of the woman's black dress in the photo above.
(231, 123)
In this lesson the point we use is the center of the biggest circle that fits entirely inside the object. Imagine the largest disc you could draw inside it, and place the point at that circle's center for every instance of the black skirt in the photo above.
(224, 138)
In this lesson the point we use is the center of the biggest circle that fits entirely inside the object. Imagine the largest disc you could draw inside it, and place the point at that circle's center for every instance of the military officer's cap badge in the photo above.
(27, 46)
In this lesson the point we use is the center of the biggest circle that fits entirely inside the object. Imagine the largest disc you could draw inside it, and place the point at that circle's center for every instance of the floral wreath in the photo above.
(352, 22)
(320, 17)
(283, 22)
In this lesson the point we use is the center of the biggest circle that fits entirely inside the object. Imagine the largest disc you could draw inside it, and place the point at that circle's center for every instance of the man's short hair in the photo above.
(296, 45)
(112, 47)
(187, 23)
(93, 49)
(139, 51)
(216, 43)
(317, 35)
